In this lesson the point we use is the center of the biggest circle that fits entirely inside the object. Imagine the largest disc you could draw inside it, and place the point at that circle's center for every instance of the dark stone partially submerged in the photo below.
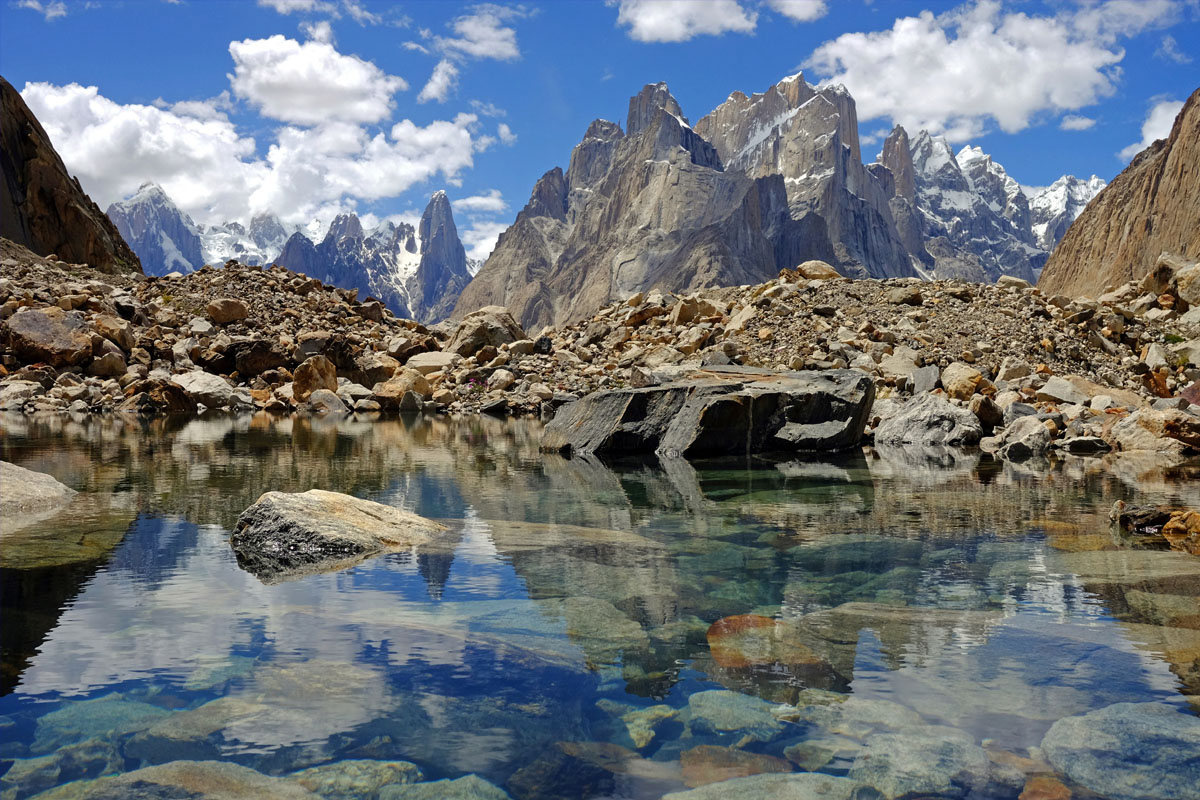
(720, 412)
(284, 536)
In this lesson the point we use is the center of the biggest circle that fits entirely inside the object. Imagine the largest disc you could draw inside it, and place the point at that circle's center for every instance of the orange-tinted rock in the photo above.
(747, 640)
(708, 764)
(317, 372)
(1182, 530)
(1045, 787)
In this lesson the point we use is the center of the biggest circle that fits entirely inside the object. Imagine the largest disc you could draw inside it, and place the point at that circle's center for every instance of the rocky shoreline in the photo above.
(953, 363)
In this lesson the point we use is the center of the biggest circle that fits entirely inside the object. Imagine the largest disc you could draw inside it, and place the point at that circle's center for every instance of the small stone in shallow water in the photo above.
(353, 780)
(707, 764)
(468, 787)
(722, 711)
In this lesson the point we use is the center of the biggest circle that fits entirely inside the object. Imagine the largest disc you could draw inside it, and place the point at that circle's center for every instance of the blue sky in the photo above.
(307, 107)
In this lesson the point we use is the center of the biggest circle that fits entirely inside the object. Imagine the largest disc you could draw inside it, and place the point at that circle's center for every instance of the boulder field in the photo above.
(951, 363)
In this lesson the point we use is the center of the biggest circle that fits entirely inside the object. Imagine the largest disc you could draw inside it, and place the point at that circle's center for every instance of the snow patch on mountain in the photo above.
(1056, 206)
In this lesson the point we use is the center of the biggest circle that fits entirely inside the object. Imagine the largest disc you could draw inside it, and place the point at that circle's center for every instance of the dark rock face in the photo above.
(416, 272)
(1151, 207)
(165, 238)
(283, 535)
(42, 207)
(791, 412)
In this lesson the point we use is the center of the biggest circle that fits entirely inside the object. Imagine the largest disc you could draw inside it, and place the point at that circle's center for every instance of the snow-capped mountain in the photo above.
(417, 272)
(164, 237)
(1058, 205)
(965, 217)
(257, 245)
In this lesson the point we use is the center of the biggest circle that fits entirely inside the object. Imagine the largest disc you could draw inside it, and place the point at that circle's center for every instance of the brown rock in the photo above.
(817, 271)
(710, 764)
(389, 394)
(961, 380)
(59, 338)
(317, 372)
(1151, 207)
(116, 330)
(489, 325)
(41, 206)
(748, 640)
(1182, 530)
(227, 309)
(1045, 787)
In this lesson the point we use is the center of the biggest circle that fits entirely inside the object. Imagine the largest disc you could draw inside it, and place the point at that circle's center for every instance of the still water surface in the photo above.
(591, 631)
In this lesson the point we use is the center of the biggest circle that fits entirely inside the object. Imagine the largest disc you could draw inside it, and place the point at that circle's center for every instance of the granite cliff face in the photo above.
(1151, 207)
(165, 238)
(416, 272)
(42, 207)
(662, 205)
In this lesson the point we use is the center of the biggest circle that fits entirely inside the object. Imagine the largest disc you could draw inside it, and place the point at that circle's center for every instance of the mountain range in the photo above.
(759, 184)
(417, 272)
(762, 182)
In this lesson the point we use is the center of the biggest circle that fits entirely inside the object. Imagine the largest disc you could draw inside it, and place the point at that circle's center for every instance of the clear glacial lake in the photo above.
(915, 622)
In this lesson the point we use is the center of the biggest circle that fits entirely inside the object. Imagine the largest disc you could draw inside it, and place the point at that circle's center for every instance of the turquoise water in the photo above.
(626, 630)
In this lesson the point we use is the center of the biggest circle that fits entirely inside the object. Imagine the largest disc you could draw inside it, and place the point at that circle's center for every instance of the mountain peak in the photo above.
(644, 104)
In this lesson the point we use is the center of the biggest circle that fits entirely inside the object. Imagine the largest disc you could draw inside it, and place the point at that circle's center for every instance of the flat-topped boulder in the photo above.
(720, 411)
(23, 491)
(288, 535)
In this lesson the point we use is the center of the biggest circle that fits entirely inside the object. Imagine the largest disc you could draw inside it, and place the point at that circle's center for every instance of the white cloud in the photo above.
(680, 20)
(1169, 51)
(488, 109)
(360, 14)
(1156, 126)
(480, 239)
(417, 46)
(492, 202)
(800, 10)
(441, 83)
(214, 173)
(301, 6)
(1075, 122)
(318, 31)
(311, 82)
(506, 134)
(956, 73)
(482, 34)
(49, 10)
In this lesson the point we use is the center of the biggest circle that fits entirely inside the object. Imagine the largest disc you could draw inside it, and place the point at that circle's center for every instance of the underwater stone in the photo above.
(721, 711)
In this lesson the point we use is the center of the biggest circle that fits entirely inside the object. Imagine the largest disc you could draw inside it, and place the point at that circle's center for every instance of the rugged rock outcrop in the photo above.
(42, 207)
(417, 272)
(286, 535)
(258, 244)
(652, 207)
(735, 411)
(164, 238)
(1151, 207)
(1055, 208)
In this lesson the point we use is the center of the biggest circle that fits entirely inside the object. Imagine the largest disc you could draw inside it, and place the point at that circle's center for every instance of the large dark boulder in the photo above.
(59, 338)
(725, 411)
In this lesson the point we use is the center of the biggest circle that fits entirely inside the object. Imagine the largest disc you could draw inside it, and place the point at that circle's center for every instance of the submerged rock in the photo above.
(23, 490)
(211, 780)
(356, 779)
(706, 764)
(1129, 751)
(735, 411)
(773, 786)
(87, 719)
(468, 787)
(287, 535)
(922, 762)
(721, 711)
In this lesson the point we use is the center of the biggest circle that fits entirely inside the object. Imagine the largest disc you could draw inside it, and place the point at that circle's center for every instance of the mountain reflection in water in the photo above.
(564, 641)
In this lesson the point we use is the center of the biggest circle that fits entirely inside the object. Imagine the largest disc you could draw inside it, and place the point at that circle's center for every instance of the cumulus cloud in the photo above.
(49, 10)
(492, 202)
(480, 239)
(311, 82)
(959, 72)
(441, 83)
(483, 34)
(681, 20)
(1075, 122)
(800, 10)
(196, 154)
(1156, 126)
(506, 134)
